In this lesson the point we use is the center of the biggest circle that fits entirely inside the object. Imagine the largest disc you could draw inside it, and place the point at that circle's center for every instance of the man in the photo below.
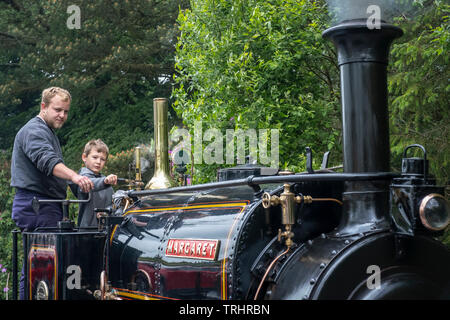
(37, 166)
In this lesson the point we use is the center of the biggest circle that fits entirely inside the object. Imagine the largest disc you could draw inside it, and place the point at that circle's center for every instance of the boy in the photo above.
(94, 157)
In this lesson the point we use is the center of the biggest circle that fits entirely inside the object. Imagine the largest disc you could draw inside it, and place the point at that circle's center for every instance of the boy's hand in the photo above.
(111, 179)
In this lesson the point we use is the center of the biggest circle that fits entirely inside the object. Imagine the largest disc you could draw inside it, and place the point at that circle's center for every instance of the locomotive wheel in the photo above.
(42, 291)
(398, 282)
(142, 281)
(345, 268)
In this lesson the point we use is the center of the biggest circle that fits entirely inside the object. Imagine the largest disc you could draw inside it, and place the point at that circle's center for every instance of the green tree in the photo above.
(419, 85)
(6, 226)
(255, 64)
(259, 64)
(114, 64)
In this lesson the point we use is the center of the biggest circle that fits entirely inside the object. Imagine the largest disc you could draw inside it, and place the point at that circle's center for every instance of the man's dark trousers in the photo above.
(28, 220)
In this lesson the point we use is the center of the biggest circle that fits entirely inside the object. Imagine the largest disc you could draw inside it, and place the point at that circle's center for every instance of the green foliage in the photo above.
(114, 65)
(6, 226)
(263, 64)
(259, 64)
(120, 128)
(118, 164)
(419, 86)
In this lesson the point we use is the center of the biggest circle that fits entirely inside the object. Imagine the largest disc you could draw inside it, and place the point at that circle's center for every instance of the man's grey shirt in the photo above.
(35, 153)
(101, 198)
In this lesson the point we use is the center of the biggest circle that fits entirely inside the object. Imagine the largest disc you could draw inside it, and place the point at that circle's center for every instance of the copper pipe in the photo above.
(284, 252)
(267, 272)
(327, 199)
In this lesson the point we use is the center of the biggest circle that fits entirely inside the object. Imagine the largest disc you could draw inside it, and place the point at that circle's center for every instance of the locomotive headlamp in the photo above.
(434, 212)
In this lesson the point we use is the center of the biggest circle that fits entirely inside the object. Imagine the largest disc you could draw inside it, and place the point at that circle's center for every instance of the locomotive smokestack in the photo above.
(161, 177)
(363, 59)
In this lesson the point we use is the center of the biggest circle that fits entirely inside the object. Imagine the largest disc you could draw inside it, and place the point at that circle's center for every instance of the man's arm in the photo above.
(63, 172)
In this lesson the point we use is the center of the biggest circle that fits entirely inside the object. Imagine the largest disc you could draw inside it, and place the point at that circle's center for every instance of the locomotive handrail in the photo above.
(252, 180)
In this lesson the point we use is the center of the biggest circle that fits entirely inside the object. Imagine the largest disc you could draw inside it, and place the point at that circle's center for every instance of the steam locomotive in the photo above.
(366, 233)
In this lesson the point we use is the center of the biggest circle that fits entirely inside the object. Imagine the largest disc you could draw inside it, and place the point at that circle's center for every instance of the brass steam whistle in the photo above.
(137, 183)
(287, 200)
(137, 169)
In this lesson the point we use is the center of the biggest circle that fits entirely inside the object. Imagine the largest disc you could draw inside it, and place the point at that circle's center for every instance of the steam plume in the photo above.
(341, 10)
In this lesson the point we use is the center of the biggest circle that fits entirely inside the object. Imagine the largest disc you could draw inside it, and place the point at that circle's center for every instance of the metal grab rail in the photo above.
(254, 182)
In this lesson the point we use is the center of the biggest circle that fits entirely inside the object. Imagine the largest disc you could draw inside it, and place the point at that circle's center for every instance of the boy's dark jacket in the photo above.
(101, 198)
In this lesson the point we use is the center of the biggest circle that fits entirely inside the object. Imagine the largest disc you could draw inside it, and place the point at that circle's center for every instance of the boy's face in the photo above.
(94, 161)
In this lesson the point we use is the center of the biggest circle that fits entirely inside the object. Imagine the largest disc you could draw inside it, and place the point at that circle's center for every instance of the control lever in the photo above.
(324, 165)
(309, 160)
(65, 223)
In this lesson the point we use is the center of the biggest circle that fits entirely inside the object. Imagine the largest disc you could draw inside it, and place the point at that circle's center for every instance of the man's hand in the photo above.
(61, 171)
(84, 183)
(111, 179)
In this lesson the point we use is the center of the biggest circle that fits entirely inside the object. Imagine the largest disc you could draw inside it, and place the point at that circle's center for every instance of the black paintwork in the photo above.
(339, 268)
(218, 214)
(243, 232)
(51, 249)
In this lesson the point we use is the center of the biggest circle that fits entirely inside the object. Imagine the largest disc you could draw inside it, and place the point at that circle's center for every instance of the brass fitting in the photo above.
(106, 291)
(287, 234)
(287, 200)
(138, 169)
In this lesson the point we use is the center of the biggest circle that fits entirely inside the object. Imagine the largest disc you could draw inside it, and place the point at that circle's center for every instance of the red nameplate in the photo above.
(193, 248)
